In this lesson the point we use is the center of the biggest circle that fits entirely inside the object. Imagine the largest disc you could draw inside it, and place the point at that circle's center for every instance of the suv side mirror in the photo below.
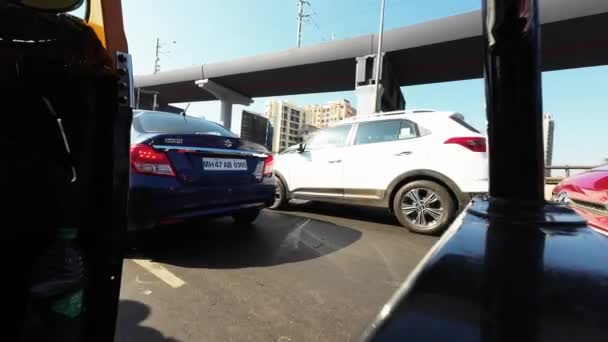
(301, 148)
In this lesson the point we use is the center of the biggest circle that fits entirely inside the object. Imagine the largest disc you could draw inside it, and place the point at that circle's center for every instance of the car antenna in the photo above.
(186, 109)
(183, 113)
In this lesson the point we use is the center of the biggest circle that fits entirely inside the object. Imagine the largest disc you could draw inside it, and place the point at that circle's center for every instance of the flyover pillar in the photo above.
(389, 93)
(226, 113)
(227, 98)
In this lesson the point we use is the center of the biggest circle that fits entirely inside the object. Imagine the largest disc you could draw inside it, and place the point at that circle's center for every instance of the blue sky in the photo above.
(217, 30)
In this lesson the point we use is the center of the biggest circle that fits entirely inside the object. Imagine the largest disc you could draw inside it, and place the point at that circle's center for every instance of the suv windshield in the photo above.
(330, 137)
(156, 122)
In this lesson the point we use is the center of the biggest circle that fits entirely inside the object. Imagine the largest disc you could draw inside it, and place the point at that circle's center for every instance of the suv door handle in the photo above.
(335, 161)
(404, 153)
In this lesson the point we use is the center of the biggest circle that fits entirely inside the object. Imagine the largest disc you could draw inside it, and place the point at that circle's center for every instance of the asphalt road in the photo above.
(317, 272)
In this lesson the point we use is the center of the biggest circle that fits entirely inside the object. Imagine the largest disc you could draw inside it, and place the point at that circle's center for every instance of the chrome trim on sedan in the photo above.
(211, 150)
(593, 207)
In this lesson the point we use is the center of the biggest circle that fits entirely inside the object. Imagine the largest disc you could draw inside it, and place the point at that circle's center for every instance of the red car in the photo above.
(587, 193)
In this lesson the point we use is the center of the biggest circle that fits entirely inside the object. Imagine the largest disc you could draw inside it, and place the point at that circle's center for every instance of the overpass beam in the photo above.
(227, 98)
(389, 93)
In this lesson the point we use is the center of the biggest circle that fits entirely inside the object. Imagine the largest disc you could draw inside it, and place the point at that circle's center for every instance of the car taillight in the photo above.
(268, 165)
(146, 160)
(475, 144)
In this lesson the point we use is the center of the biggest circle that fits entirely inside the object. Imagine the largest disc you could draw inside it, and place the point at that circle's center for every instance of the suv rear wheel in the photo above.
(424, 207)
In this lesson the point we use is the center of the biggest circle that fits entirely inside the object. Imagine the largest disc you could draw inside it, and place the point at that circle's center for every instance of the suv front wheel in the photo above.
(280, 197)
(424, 207)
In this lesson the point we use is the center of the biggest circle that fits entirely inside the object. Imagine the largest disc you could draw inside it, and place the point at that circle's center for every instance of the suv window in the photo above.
(383, 131)
(330, 137)
(168, 123)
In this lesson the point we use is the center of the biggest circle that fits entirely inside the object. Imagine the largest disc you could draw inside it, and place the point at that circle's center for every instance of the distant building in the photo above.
(548, 129)
(324, 115)
(287, 119)
(256, 128)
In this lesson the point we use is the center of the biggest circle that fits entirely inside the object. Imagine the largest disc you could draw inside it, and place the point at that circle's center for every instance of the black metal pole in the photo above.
(514, 247)
(513, 99)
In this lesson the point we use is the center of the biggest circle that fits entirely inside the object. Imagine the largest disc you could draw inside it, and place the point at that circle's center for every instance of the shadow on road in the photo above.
(273, 239)
(368, 214)
(128, 324)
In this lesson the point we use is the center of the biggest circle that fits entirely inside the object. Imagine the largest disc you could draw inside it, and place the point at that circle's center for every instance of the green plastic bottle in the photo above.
(55, 311)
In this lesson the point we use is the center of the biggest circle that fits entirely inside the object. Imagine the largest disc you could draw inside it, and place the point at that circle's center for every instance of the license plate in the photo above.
(224, 164)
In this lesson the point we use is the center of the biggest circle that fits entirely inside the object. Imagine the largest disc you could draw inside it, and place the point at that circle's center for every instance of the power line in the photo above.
(318, 27)
(311, 18)
(373, 7)
(303, 17)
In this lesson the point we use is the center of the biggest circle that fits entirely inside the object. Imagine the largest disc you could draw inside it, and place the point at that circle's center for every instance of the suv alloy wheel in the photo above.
(424, 207)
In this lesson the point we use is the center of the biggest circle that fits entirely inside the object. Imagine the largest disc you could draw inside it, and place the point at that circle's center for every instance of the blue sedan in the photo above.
(184, 167)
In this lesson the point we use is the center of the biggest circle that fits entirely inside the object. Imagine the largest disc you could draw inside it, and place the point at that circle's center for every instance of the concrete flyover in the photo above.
(446, 49)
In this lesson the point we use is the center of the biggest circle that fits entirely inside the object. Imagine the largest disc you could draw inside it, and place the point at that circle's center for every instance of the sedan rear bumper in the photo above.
(151, 203)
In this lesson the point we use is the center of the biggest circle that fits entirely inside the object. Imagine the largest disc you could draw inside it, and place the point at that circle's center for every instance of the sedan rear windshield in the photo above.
(168, 123)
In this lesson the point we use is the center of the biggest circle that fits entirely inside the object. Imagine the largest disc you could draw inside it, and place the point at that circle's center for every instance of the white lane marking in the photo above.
(145, 282)
(290, 242)
(317, 244)
(387, 265)
(295, 236)
(160, 272)
(328, 246)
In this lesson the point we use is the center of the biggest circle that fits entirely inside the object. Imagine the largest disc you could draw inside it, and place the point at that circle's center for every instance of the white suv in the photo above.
(422, 165)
